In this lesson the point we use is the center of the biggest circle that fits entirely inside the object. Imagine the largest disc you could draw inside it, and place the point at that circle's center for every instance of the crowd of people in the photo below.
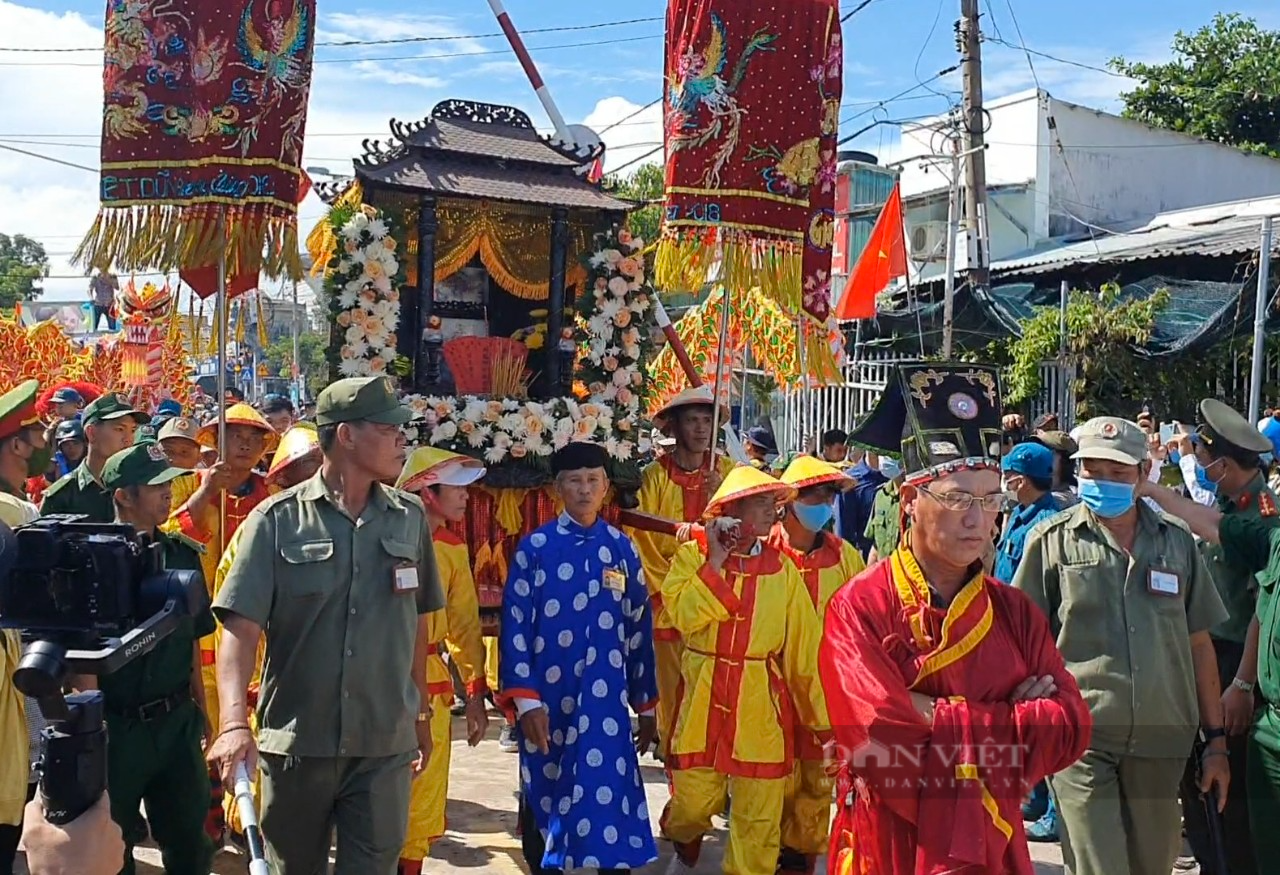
(934, 628)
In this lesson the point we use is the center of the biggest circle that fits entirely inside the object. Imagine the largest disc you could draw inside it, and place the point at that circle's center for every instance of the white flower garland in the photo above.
(365, 298)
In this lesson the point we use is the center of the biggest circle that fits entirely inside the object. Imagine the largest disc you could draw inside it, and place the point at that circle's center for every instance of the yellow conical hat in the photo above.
(239, 414)
(297, 444)
(806, 471)
(429, 466)
(744, 482)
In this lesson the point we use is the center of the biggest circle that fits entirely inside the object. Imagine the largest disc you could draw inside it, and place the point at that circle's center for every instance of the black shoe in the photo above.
(792, 861)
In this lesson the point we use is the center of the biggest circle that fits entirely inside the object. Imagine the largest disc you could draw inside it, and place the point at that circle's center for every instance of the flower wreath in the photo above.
(364, 297)
(611, 375)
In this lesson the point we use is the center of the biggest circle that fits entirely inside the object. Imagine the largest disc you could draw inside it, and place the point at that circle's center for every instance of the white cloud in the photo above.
(627, 130)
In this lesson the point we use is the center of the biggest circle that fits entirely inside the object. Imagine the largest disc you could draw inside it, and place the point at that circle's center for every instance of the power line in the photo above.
(388, 42)
(93, 170)
(855, 10)
(901, 95)
(442, 56)
(627, 118)
(634, 161)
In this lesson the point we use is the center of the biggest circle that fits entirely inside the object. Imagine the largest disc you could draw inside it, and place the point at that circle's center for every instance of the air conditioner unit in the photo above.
(929, 241)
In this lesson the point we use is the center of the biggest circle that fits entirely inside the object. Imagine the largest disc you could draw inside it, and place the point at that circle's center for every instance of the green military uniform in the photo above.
(1254, 543)
(1234, 577)
(80, 491)
(884, 527)
(340, 601)
(154, 725)
(1123, 623)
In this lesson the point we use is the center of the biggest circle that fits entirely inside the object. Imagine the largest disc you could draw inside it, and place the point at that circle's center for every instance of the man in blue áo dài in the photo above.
(577, 659)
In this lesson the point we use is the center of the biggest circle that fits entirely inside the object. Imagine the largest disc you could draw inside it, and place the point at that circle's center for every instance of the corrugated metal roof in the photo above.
(1217, 230)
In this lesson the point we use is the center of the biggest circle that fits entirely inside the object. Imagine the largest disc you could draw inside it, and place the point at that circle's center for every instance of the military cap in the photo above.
(68, 430)
(109, 406)
(145, 434)
(1058, 441)
(1222, 425)
(180, 427)
(1113, 439)
(361, 399)
(18, 408)
(142, 464)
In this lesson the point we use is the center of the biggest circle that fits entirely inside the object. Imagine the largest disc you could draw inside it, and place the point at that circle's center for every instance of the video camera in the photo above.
(87, 598)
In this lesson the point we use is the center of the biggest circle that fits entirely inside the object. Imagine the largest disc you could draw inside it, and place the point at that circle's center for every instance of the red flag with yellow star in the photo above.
(883, 259)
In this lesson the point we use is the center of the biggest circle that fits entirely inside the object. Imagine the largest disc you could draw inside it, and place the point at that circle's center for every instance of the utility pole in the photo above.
(972, 127)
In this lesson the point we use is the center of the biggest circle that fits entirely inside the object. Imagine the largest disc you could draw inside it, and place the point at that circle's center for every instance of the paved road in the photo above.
(482, 817)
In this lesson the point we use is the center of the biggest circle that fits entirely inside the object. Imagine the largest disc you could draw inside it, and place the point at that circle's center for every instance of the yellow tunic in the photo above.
(207, 530)
(751, 655)
(806, 812)
(669, 492)
(457, 627)
(15, 765)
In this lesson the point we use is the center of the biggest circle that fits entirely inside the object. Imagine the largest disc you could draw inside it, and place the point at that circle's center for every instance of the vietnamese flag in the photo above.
(883, 259)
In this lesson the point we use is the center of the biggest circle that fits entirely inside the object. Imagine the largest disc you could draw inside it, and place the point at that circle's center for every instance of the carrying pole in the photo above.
(721, 375)
(1260, 321)
(222, 368)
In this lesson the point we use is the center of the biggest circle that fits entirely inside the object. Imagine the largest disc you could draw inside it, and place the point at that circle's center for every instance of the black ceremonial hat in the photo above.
(938, 416)
(579, 455)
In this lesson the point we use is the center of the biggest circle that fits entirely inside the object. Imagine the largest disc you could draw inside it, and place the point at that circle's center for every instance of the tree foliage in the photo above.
(1223, 84)
(23, 263)
(643, 184)
(311, 356)
(1103, 333)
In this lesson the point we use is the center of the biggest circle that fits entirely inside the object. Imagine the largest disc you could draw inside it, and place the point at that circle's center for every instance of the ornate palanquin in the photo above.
(500, 220)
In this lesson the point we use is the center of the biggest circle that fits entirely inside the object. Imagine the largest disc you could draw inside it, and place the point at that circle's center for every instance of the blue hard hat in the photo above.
(66, 395)
(1030, 460)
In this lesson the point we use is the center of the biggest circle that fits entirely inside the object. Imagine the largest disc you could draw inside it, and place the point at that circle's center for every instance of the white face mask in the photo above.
(1010, 492)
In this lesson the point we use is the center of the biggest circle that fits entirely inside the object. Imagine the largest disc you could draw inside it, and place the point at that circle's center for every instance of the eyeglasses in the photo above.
(962, 501)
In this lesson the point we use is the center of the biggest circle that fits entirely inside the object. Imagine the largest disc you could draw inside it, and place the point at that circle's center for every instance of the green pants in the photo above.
(1118, 815)
(158, 763)
(305, 798)
(1263, 784)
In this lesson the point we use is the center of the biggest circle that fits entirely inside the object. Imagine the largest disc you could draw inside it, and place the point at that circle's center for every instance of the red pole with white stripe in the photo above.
(531, 70)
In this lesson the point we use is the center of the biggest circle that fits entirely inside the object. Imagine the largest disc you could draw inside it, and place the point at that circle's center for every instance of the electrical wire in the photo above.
(441, 56)
(390, 42)
(855, 10)
(915, 70)
(627, 118)
(615, 171)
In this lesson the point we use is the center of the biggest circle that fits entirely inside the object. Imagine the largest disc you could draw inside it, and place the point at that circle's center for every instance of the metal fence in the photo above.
(803, 415)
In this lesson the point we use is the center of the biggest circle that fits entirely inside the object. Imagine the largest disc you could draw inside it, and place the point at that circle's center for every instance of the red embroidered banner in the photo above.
(752, 110)
(204, 111)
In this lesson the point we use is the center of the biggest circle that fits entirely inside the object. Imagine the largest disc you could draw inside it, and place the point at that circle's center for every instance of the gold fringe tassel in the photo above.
(776, 267)
(176, 238)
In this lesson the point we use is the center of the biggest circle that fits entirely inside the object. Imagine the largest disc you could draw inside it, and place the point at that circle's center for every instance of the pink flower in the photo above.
(610, 363)
(623, 319)
(624, 236)
(625, 396)
(518, 451)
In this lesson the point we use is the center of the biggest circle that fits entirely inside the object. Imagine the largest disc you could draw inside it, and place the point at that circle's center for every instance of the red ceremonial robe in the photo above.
(916, 799)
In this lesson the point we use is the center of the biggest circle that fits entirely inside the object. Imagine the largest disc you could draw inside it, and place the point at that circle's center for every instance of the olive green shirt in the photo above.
(167, 668)
(1234, 577)
(1255, 544)
(1128, 647)
(340, 635)
(884, 525)
(80, 492)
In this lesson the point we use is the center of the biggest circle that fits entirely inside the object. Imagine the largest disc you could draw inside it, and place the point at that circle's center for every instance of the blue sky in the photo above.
(890, 46)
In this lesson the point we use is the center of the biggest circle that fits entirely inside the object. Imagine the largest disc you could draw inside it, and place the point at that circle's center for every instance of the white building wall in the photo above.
(1110, 172)
(1113, 171)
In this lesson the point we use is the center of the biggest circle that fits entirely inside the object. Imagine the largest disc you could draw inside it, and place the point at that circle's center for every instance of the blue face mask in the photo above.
(1203, 480)
(1175, 457)
(813, 517)
(890, 468)
(1106, 498)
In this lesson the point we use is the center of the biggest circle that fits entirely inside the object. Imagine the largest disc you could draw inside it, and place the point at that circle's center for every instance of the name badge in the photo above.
(1164, 583)
(614, 579)
(406, 578)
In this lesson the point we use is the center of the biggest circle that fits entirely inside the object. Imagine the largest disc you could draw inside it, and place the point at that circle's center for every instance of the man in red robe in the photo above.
(946, 691)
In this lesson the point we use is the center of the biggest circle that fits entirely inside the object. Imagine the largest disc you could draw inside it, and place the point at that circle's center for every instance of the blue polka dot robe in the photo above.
(577, 634)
